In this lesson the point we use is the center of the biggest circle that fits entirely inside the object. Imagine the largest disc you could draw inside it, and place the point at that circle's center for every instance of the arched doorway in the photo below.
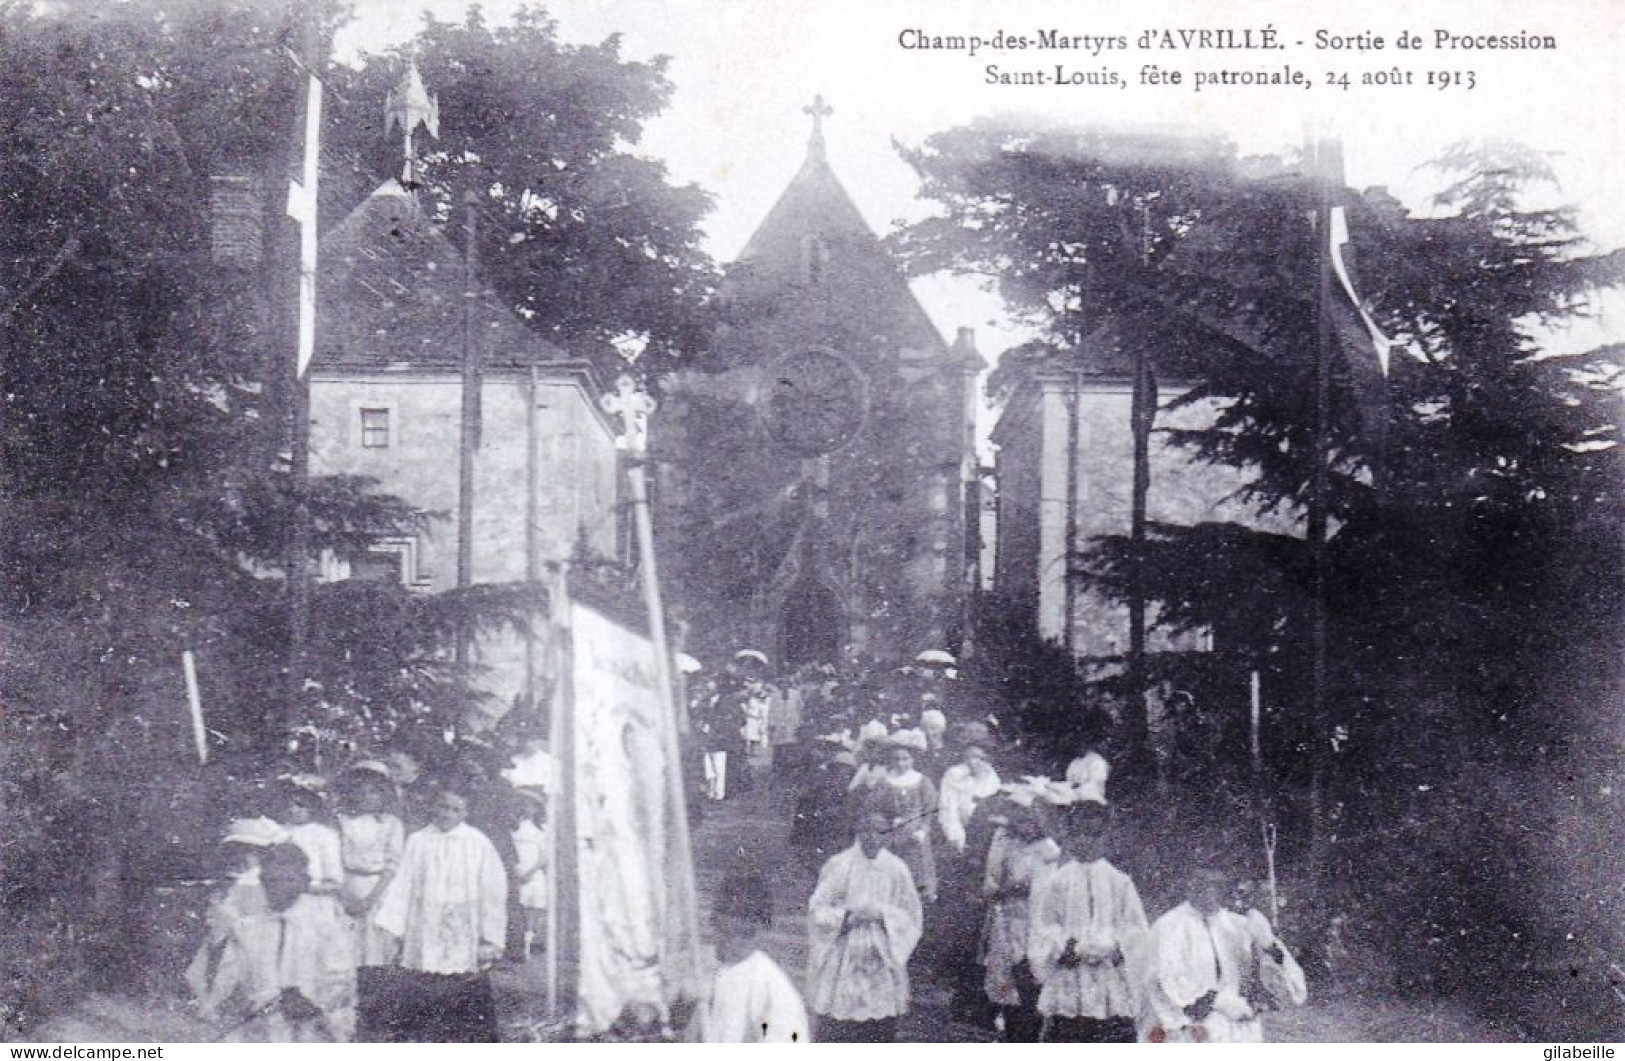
(810, 624)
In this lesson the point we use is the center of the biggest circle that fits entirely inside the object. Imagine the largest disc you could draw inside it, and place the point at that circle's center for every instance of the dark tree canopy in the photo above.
(144, 472)
(586, 238)
(1474, 568)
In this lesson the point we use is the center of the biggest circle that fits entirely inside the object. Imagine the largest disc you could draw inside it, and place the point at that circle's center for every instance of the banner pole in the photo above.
(561, 739)
(194, 702)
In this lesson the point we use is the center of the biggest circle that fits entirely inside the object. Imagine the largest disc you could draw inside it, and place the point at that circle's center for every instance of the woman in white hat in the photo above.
(908, 800)
(371, 840)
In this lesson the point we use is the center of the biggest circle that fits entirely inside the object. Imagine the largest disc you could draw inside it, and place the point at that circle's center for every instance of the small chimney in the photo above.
(236, 221)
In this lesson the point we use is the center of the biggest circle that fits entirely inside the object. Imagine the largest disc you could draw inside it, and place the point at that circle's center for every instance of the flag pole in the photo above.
(561, 743)
(469, 434)
(302, 207)
(194, 703)
(1319, 500)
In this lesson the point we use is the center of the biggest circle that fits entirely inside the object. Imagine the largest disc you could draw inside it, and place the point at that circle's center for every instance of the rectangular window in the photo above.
(375, 428)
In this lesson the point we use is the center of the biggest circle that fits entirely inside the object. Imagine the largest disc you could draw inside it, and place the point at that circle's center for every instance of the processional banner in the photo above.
(636, 890)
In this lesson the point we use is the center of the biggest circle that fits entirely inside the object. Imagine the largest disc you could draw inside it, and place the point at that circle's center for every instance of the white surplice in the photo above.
(320, 843)
(1097, 905)
(860, 971)
(449, 896)
(1191, 955)
(956, 801)
(244, 898)
(304, 948)
(751, 1001)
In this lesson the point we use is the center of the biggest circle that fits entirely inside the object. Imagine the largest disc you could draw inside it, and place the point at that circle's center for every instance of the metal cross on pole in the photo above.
(408, 106)
(632, 406)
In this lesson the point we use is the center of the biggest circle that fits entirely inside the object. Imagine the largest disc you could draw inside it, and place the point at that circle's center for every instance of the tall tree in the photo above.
(145, 484)
(588, 239)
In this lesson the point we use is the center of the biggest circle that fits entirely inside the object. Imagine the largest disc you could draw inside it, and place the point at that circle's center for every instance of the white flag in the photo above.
(302, 208)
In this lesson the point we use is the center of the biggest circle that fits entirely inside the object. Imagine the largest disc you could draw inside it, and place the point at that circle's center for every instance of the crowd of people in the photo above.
(929, 864)
(335, 923)
(369, 908)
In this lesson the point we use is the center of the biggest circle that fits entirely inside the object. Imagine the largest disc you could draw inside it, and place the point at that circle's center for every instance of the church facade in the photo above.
(814, 468)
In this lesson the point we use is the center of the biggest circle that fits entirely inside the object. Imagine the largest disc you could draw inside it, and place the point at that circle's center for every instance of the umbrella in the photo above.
(751, 653)
(687, 664)
(937, 656)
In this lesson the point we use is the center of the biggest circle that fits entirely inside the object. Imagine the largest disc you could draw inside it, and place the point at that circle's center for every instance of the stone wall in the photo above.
(576, 469)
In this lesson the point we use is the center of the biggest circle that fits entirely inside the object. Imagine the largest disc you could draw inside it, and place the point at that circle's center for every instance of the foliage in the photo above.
(143, 431)
(1472, 578)
(585, 238)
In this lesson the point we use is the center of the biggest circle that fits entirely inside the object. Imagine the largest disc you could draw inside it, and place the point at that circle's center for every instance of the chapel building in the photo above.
(395, 319)
(817, 468)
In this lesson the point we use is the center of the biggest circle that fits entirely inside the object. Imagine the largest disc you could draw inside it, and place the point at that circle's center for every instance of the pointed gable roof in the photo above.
(813, 263)
(390, 292)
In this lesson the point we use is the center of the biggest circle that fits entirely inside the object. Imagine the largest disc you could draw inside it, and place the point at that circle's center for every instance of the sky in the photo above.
(744, 69)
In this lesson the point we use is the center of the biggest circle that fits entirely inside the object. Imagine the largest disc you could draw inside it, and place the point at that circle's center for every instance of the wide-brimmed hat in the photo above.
(255, 832)
(911, 739)
(373, 769)
(872, 730)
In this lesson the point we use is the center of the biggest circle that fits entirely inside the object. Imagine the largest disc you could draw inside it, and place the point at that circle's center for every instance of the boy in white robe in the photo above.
(1086, 942)
(448, 906)
(865, 920)
(1211, 969)
(286, 975)
(751, 1000)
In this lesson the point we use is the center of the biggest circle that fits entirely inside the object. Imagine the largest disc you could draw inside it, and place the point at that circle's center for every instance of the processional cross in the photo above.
(632, 405)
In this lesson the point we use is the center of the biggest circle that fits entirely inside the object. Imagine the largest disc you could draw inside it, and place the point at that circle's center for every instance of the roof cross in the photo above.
(818, 110)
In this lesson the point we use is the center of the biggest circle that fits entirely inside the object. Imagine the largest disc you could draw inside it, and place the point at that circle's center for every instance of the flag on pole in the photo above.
(1339, 231)
(302, 208)
(1363, 347)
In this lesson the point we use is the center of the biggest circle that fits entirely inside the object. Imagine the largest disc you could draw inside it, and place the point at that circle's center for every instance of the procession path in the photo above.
(754, 826)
